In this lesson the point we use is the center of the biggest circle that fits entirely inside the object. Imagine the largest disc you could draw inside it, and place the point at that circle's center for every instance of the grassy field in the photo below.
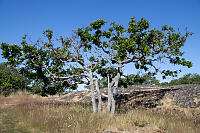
(28, 113)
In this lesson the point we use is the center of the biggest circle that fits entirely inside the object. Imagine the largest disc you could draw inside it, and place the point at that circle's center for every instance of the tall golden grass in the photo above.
(36, 114)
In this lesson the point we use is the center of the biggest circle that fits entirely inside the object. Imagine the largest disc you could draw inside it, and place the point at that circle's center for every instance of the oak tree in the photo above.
(140, 45)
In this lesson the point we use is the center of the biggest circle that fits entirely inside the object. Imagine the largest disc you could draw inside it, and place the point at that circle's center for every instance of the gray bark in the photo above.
(116, 81)
(99, 96)
(114, 93)
(113, 104)
(109, 95)
(92, 92)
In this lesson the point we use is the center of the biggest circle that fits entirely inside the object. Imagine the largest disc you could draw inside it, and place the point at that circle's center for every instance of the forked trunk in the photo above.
(114, 91)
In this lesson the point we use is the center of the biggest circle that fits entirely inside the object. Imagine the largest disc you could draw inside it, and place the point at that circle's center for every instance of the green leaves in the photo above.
(165, 27)
(186, 79)
(48, 33)
(181, 61)
(139, 26)
(97, 24)
(138, 80)
(12, 53)
(11, 80)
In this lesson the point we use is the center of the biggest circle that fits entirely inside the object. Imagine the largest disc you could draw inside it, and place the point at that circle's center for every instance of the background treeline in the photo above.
(11, 80)
(186, 79)
(145, 79)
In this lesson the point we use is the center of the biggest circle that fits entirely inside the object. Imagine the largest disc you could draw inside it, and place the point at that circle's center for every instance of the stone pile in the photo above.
(149, 97)
(145, 96)
(186, 95)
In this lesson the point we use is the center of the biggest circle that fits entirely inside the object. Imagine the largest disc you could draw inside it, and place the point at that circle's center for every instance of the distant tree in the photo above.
(102, 83)
(137, 79)
(11, 80)
(186, 79)
(164, 84)
(150, 80)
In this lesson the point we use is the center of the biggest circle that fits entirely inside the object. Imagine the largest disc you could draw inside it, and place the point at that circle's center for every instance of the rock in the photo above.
(149, 97)
(146, 96)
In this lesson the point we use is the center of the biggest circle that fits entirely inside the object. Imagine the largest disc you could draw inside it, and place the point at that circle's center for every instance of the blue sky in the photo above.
(32, 17)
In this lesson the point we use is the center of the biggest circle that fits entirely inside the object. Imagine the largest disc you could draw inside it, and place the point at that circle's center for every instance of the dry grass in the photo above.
(35, 114)
(168, 107)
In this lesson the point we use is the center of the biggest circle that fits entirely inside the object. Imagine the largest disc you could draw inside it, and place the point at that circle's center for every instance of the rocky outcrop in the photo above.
(186, 95)
(149, 97)
(146, 96)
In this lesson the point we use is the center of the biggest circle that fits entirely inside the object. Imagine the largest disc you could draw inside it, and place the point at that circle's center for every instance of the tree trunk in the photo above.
(92, 92)
(114, 93)
(99, 96)
(113, 104)
(109, 95)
